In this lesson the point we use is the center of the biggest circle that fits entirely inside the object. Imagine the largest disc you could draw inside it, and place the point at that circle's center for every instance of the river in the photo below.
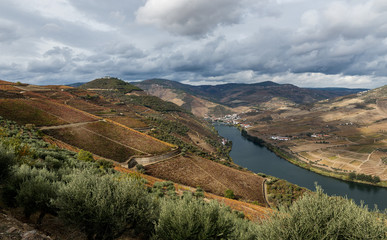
(260, 160)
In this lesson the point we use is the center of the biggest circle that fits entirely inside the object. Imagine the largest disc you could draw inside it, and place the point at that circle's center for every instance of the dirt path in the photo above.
(112, 140)
(264, 189)
(68, 125)
(368, 158)
(216, 180)
(163, 157)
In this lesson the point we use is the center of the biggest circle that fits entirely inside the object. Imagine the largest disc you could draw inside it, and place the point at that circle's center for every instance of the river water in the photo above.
(260, 160)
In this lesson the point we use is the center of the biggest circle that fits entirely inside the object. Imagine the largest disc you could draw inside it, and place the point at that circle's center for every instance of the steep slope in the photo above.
(180, 95)
(121, 127)
(109, 121)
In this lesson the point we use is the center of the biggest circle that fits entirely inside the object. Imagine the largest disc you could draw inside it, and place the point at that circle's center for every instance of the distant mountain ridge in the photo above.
(240, 94)
(77, 84)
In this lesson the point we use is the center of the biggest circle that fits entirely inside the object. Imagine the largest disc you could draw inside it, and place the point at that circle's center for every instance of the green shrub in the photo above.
(364, 177)
(140, 168)
(190, 218)
(318, 216)
(199, 193)
(36, 193)
(105, 205)
(85, 156)
(7, 160)
(229, 194)
(166, 188)
(52, 163)
(31, 188)
(105, 164)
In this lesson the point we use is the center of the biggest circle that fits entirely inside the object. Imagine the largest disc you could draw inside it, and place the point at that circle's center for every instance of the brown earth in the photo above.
(93, 142)
(211, 176)
(252, 211)
(21, 111)
(131, 122)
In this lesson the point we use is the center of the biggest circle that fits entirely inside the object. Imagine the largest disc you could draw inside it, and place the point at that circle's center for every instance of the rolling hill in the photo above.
(109, 84)
(225, 98)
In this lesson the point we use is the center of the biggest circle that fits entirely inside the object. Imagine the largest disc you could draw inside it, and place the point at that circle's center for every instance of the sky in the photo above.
(319, 43)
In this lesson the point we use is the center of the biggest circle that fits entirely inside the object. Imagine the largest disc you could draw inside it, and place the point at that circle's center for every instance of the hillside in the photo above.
(109, 84)
(182, 96)
(112, 124)
(53, 193)
(342, 135)
(235, 95)
(62, 192)
(109, 123)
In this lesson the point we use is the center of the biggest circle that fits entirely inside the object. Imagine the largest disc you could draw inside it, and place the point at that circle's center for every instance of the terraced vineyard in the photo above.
(211, 176)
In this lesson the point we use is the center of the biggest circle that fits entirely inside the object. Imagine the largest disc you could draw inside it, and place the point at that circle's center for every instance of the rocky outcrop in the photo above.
(13, 229)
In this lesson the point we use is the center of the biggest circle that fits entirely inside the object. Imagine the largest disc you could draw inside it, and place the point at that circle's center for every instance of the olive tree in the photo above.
(192, 218)
(31, 188)
(318, 216)
(105, 205)
(37, 192)
(7, 159)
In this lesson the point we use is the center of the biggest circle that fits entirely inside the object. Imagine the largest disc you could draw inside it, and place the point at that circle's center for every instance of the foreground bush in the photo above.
(31, 188)
(6, 162)
(37, 188)
(318, 216)
(191, 218)
(105, 205)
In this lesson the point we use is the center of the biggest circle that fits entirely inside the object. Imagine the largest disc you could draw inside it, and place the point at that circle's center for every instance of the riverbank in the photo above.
(308, 166)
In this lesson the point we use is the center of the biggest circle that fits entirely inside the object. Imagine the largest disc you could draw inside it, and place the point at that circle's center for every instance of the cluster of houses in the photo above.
(230, 118)
(314, 135)
(279, 138)
(233, 119)
(319, 135)
(346, 124)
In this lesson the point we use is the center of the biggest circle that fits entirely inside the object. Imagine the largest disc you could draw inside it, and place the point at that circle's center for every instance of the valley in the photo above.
(335, 132)
(337, 137)
(109, 124)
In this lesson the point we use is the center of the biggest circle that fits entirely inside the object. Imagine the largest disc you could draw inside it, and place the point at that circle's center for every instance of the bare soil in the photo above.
(253, 212)
(211, 176)
(351, 131)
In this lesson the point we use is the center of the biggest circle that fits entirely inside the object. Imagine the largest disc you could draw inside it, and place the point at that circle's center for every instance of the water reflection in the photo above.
(259, 159)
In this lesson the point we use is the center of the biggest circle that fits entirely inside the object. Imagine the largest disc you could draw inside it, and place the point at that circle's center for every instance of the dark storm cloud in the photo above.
(192, 18)
(319, 43)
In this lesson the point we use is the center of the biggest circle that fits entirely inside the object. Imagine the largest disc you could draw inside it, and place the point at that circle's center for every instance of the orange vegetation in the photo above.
(251, 211)
(62, 111)
(124, 135)
(21, 111)
(211, 176)
(129, 121)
